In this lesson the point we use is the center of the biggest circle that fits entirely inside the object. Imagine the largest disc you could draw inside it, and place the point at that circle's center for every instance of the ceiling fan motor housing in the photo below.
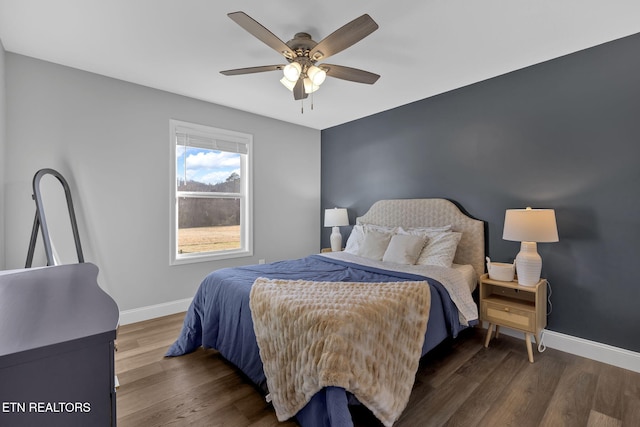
(301, 44)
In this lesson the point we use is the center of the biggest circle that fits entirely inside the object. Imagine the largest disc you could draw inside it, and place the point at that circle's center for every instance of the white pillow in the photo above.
(404, 249)
(357, 235)
(355, 239)
(440, 249)
(374, 244)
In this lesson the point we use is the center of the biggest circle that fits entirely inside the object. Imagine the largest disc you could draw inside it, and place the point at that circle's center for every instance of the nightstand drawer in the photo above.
(509, 316)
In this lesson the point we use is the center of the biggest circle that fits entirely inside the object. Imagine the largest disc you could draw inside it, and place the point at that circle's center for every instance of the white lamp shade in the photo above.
(317, 75)
(336, 217)
(309, 87)
(292, 71)
(530, 225)
(288, 83)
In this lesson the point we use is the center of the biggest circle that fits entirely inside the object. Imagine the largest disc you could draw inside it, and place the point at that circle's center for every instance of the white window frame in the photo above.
(205, 133)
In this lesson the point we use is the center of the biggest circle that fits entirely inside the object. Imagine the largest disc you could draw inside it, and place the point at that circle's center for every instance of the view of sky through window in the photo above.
(205, 165)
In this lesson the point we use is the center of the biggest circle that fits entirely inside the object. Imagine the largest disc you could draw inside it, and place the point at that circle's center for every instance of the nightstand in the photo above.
(514, 306)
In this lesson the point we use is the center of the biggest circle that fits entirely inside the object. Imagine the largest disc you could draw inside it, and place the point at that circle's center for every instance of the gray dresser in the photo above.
(57, 332)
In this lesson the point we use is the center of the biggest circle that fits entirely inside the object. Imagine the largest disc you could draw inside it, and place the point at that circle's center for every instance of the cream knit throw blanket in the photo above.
(364, 337)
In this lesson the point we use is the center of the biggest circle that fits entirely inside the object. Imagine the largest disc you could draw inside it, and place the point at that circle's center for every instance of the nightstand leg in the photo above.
(497, 334)
(527, 338)
(488, 338)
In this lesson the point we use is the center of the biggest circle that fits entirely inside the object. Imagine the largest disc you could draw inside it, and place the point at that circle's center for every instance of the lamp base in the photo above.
(336, 239)
(528, 264)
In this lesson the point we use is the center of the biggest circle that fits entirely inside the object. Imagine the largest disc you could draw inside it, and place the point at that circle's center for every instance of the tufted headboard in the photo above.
(433, 213)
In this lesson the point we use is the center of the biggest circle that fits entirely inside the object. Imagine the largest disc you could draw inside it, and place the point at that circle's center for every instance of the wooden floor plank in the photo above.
(174, 379)
(437, 407)
(210, 397)
(439, 369)
(597, 419)
(524, 401)
(609, 391)
(573, 398)
(630, 411)
(495, 385)
(460, 383)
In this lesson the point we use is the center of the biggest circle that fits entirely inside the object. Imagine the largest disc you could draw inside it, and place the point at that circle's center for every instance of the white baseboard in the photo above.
(154, 311)
(604, 353)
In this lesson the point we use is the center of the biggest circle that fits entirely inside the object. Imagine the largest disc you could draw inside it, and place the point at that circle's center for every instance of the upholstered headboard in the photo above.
(433, 213)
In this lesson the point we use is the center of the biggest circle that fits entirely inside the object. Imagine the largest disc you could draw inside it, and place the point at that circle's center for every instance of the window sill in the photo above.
(206, 257)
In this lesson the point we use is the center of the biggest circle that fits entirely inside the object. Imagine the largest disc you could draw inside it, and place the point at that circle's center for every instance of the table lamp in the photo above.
(336, 218)
(529, 226)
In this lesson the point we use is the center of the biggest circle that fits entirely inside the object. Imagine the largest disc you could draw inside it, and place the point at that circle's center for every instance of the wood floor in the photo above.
(460, 383)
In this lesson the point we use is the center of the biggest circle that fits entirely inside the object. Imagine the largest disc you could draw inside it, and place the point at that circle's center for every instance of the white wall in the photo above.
(110, 140)
(3, 113)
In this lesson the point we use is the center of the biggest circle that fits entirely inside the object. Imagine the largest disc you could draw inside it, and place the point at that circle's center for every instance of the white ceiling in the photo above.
(422, 48)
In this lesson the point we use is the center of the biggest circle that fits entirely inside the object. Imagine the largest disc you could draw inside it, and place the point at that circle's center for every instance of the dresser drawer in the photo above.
(509, 316)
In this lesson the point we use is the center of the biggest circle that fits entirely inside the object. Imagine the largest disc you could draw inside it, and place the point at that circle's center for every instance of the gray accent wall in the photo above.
(564, 134)
(110, 140)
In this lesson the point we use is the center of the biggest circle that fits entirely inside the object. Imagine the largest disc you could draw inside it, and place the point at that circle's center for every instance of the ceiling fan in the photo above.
(301, 75)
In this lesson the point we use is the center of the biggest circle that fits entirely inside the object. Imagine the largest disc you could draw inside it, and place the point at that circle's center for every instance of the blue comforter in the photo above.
(219, 317)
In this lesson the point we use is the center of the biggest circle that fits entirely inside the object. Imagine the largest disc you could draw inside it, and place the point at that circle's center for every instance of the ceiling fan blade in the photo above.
(250, 70)
(345, 36)
(261, 33)
(351, 74)
(298, 90)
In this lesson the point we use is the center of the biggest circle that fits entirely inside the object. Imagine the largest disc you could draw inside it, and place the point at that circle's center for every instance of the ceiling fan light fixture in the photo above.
(292, 71)
(288, 83)
(301, 75)
(317, 75)
(309, 86)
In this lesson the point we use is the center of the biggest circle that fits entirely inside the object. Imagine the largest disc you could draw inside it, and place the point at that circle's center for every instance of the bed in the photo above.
(220, 315)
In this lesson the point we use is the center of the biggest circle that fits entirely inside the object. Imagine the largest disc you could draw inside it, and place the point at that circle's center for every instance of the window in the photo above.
(211, 187)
